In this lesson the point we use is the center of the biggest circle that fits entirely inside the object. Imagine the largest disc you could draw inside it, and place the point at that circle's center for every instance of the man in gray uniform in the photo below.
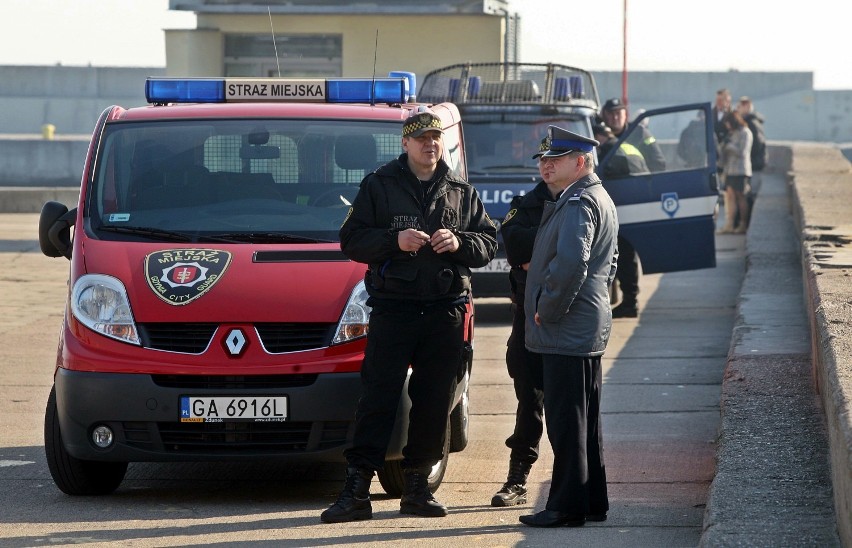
(569, 321)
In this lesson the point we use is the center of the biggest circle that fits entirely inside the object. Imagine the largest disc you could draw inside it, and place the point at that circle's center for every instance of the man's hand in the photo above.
(537, 319)
(411, 240)
(444, 240)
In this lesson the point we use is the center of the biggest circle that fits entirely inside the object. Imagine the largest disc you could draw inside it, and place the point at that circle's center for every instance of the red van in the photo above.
(211, 314)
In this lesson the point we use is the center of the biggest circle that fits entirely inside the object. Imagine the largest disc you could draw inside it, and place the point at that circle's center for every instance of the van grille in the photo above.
(234, 382)
(235, 438)
(188, 338)
(293, 337)
(194, 338)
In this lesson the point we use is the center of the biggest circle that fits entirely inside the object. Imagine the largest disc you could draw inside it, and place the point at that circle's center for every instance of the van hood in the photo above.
(228, 283)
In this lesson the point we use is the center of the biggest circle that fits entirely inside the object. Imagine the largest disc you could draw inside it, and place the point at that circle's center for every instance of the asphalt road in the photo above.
(662, 380)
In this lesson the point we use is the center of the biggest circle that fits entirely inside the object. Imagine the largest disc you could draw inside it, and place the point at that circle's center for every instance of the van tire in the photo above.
(392, 477)
(460, 422)
(75, 476)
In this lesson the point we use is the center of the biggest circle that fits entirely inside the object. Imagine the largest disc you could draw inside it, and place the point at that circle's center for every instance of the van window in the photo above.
(205, 177)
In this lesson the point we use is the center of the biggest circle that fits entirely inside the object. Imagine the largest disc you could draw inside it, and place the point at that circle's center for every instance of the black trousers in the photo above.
(431, 340)
(526, 371)
(627, 272)
(572, 396)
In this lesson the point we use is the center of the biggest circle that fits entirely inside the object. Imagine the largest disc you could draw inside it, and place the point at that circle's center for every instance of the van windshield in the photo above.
(502, 141)
(237, 180)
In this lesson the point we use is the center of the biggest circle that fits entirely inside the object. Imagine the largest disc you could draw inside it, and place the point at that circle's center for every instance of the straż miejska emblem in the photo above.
(179, 276)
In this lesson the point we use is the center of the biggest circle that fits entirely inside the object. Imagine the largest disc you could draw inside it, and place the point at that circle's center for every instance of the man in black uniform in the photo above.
(519, 229)
(420, 229)
(614, 114)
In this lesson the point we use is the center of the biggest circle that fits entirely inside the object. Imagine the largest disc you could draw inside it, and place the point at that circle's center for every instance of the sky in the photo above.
(662, 35)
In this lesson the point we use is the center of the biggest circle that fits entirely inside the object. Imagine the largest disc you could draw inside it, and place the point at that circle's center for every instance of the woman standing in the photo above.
(736, 156)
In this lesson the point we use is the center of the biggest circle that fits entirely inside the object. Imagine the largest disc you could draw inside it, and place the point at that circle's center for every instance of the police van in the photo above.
(667, 215)
(211, 314)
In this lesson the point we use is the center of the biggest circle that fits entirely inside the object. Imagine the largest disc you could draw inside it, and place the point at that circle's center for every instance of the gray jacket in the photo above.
(573, 264)
(737, 152)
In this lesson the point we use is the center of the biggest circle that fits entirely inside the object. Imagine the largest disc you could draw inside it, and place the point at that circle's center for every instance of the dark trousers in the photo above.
(430, 339)
(627, 272)
(572, 396)
(526, 371)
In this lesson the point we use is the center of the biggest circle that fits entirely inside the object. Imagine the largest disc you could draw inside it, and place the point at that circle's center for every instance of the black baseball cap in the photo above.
(614, 104)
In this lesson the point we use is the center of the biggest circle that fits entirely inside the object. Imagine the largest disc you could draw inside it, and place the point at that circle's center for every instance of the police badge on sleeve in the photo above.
(179, 276)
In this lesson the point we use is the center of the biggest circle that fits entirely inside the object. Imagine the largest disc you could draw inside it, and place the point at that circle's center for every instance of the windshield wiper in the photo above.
(146, 231)
(263, 237)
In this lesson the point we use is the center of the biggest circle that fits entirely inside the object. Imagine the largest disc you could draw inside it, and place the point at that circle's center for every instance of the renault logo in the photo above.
(235, 343)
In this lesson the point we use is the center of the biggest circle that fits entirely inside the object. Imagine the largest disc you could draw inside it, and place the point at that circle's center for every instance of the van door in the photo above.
(667, 213)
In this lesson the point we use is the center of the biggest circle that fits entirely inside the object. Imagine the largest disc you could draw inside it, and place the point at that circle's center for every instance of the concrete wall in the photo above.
(70, 98)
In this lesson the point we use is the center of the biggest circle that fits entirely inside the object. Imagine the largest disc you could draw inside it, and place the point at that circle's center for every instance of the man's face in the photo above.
(425, 150)
(616, 119)
(561, 171)
(723, 101)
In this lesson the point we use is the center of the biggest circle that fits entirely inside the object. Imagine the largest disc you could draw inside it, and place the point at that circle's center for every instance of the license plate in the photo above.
(496, 265)
(233, 409)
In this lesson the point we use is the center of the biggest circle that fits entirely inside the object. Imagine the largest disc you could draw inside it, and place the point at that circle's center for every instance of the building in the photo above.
(320, 38)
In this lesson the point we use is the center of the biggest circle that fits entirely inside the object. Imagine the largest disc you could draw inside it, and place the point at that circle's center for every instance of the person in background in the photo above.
(519, 229)
(736, 160)
(759, 156)
(420, 229)
(569, 322)
(721, 106)
(690, 147)
(626, 160)
(614, 115)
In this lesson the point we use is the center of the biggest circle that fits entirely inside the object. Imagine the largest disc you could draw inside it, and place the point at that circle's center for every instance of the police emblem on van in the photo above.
(179, 276)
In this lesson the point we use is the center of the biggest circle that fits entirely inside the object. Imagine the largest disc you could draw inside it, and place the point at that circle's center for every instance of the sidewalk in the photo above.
(773, 483)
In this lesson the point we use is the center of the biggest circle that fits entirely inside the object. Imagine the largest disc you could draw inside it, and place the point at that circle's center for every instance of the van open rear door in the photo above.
(668, 213)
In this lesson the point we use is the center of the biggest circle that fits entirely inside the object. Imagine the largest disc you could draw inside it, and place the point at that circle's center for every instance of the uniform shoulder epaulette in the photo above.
(576, 195)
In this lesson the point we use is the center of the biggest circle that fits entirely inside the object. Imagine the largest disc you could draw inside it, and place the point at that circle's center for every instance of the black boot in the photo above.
(417, 499)
(354, 501)
(627, 309)
(514, 491)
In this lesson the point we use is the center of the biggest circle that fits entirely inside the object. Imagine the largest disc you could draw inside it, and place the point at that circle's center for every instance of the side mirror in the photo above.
(54, 229)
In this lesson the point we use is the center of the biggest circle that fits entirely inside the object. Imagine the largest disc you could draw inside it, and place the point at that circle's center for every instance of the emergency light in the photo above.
(323, 90)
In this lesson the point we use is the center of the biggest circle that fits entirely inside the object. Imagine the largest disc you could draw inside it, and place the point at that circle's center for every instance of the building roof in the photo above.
(313, 7)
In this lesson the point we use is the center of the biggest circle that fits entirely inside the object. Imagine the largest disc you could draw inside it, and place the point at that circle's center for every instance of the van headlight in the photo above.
(100, 303)
(355, 321)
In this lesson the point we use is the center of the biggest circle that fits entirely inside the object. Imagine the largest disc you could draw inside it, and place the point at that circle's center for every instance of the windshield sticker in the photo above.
(119, 217)
(179, 276)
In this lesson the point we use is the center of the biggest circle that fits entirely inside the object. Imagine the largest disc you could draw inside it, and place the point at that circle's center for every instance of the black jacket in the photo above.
(391, 200)
(519, 229)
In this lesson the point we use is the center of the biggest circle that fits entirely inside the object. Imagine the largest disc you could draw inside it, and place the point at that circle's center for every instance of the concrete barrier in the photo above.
(821, 186)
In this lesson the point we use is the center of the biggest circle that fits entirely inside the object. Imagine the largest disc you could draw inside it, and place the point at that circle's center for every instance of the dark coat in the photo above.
(391, 200)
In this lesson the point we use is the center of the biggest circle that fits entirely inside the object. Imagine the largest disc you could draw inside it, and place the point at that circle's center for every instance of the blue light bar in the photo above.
(367, 90)
(239, 90)
(185, 90)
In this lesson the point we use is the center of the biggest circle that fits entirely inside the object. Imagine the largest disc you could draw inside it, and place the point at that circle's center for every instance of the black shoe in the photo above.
(418, 500)
(552, 518)
(353, 504)
(596, 517)
(514, 491)
(625, 311)
(510, 495)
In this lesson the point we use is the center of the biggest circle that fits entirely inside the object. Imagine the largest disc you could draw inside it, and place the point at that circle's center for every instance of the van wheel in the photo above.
(392, 477)
(74, 476)
(460, 422)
